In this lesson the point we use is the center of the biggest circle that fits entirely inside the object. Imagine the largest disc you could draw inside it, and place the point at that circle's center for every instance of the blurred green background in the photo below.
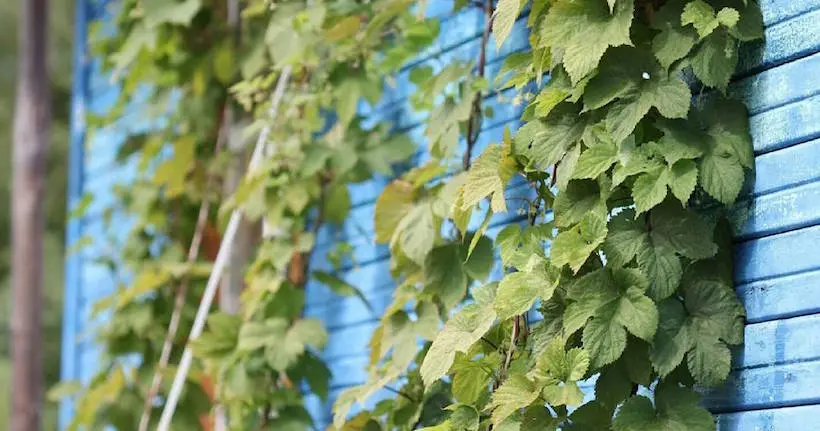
(60, 27)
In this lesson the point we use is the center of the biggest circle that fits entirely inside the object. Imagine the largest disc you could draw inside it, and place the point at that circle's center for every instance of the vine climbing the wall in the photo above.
(627, 253)
(590, 247)
(254, 364)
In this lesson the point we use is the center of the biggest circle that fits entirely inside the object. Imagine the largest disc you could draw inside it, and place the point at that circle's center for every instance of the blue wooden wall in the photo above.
(92, 172)
(775, 384)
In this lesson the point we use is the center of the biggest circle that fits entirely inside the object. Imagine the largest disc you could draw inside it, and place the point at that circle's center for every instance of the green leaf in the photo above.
(314, 371)
(340, 287)
(538, 418)
(480, 258)
(517, 392)
(584, 29)
(395, 201)
(573, 246)
(558, 371)
(563, 395)
(282, 354)
(471, 378)
(254, 335)
(662, 267)
(546, 141)
(596, 160)
(649, 190)
(683, 176)
(347, 95)
(220, 339)
(337, 204)
(709, 361)
(444, 132)
(479, 233)
(727, 125)
(700, 330)
(158, 12)
(681, 140)
(674, 41)
(592, 416)
(64, 389)
(671, 340)
(714, 310)
(637, 313)
(672, 45)
(728, 17)
(556, 91)
(675, 408)
(224, 63)
(518, 291)
(382, 152)
(416, 233)
(615, 302)
(517, 246)
(444, 274)
(568, 165)
(634, 160)
(506, 12)
(603, 338)
(444, 426)
(464, 417)
(344, 28)
(675, 231)
(700, 15)
(750, 25)
(459, 334)
(722, 175)
(489, 176)
(580, 198)
(652, 87)
(621, 75)
(683, 231)
(715, 60)
(613, 385)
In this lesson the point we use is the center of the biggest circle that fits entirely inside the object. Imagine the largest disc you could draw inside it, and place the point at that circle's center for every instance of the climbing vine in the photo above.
(633, 156)
(253, 363)
(591, 247)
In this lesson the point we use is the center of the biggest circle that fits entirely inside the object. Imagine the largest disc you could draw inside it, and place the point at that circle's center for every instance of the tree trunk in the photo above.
(31, 134)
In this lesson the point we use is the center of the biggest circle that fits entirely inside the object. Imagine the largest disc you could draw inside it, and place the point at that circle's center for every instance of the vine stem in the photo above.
(402, 393)
(513, 337)
(472, 135)
(179, 299)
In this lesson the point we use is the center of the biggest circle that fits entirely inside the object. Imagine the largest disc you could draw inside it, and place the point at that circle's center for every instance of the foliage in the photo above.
(624, 253)
(256, 363)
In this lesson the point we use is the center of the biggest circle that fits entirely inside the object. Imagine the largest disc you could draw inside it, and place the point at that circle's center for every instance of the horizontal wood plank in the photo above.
(782, 419)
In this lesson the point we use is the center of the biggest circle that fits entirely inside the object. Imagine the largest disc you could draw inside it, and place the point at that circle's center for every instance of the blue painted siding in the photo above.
(91, 171)
(775, 384)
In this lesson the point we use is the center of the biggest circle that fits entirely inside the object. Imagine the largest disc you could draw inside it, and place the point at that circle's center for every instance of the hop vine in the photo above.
(589, 247)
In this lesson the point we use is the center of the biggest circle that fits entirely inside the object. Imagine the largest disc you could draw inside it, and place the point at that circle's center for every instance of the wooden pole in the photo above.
(31, 133)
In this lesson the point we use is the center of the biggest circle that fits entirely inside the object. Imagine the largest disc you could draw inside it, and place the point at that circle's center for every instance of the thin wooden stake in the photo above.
(179, 299)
